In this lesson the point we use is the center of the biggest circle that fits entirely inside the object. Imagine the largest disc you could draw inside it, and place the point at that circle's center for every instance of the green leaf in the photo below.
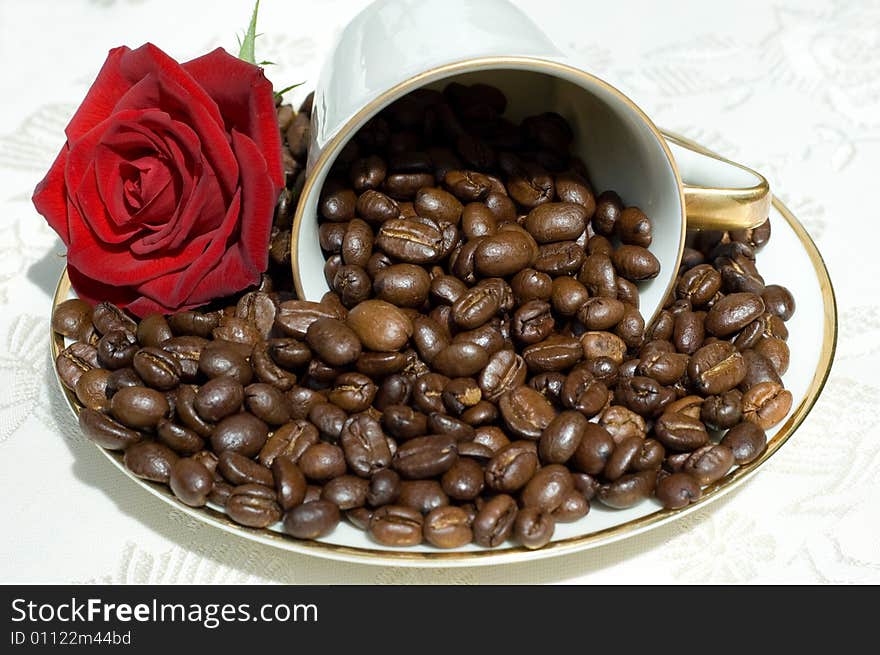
(280, 93)
(247, 45)
(265, 63)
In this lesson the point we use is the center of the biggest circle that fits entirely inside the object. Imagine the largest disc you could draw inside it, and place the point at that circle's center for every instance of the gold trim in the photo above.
(724, 208)
(518, 553)
(556, 69)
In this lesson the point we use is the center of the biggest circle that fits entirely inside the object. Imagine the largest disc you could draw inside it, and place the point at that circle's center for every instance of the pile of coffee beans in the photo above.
(479, 371)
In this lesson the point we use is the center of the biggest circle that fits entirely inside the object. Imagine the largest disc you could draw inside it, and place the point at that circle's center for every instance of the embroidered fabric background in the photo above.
(791, 88)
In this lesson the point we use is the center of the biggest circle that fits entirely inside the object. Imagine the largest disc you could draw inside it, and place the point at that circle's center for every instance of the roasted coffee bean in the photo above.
(290, 483)
(532, 322)
(662, 327)
(190, 481)
(500, 205)
(91, 389)
(529, 284)
(380, 326)
(404, 422)
(338, 206)
(622, 458)
(180, 439)
(709, 463)
(677, 490)
(568, 296)
(583, 392)
(766, 404)
(747, 441)
(627, 490)
(643, 395)
(72, 319)
(446, 289)
(574, 507)
(556, 221)
(571, 187)
(635, 262)
(439, 423)
(465, 479)
(352, 283)
(548, 488)
(322, 461)
(631, 328)
(622, 422)
(532, 188)
(243, 433)
(364, 445)
(403, 285)
(311, 520)
(346, 492)
(778, 301)
(665, 367)
(139, 407)
(733, 312)
(428, 392)
(650, 456)
(512, 466)
(184, 407)
(603, 344)
(238, 469)
(290, 440)
(608, 209)
(395, 525)
(188, 351)
(699, 284)
(603, 369)
(559, 258)
(461, 359)
(504, 253)
(633, 227)
(380, 365)
(268, 371)
(237, 331)
(776, 351)
(193, 323)
(477, 305)
(503, 372)
(494, 521)
(258, 308)
(562, 437)
(491, 436)
(301, 400)
(117, 348)
(447, 527)
(722, 411)
(477, 220)
(357, 243)
(330, 236)
(219, 398)
(716, 368)
(106, 432)
(353, 392)
(425, 457)
(758, 369)
(601, 313)
(220, 358)
(680, 432)
(460, 394)
(526, 412)
(555, 353)
(107, 316)
(422, 495)
(412, 241)
(689, 331)
(482, 413)
(73, 361)
(384, 488)
(294, 317)
(438, 205)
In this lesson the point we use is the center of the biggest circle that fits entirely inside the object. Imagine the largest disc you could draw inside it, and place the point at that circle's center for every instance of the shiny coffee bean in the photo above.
(494, 521)
(139, 407)
(562, 437)
(243, 433)
(766, 404)
(422, 495)
(677, 490)
(447, 527)
(680, 432)
(512, 466)
(311, 520)
(747, 441)
(709, 463)
(73, 361)
(333, 341)
(322, 461)
(425, 457)
(395, 525)
(733, 312)
(627, 490)
(219, 398)
(191, 482)
(526, 412)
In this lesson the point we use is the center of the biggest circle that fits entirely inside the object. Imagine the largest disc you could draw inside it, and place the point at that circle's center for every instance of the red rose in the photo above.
(165, 190)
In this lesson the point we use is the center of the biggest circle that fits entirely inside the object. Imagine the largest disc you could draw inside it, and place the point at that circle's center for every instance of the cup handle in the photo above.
(719, 194)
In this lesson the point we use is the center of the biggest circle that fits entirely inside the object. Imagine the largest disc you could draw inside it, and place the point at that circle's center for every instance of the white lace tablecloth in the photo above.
(791, 87)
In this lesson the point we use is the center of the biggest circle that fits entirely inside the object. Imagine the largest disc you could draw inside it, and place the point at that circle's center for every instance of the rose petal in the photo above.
(246, 101)
(50, 196)
(102, 96)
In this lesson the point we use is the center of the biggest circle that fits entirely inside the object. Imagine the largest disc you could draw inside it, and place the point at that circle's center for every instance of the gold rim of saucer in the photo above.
(518, 553)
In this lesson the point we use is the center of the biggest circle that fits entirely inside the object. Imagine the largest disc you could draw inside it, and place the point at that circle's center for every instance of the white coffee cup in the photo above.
(396, 46)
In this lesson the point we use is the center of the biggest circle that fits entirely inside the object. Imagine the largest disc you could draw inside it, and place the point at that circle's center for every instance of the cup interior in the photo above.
(621, 148)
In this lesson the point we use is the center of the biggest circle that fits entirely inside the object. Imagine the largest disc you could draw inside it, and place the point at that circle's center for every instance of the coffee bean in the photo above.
(747, 441)
(223, 359)
(465, 479)
(322, 461)
(504, 253)
(461, 359)
(346, 492)
(73, 361)
(723, 411)
(677, 490)
(218, 398)
(72, 318)
(395, 525)
(709, 463)
(364, 445)
(556, 221)
(627, 490)
(512, 466)
(547, 488)
(635, 262)
(526, 412)
(733, 312)
(190, 481)
(680, 432)
(105, 431)
(766, 404)
(495, 521)
(91, 389)
(447, 527)
(422, 495)
(380, 326)
(139, 407)
(290, 483)
(425, 457)
(555, 353)
(180, 439)
(243, 433)
(311, 520)
(716, 368)
(353, 392)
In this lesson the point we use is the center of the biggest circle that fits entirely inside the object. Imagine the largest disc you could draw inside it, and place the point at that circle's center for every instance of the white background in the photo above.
(790, 88)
